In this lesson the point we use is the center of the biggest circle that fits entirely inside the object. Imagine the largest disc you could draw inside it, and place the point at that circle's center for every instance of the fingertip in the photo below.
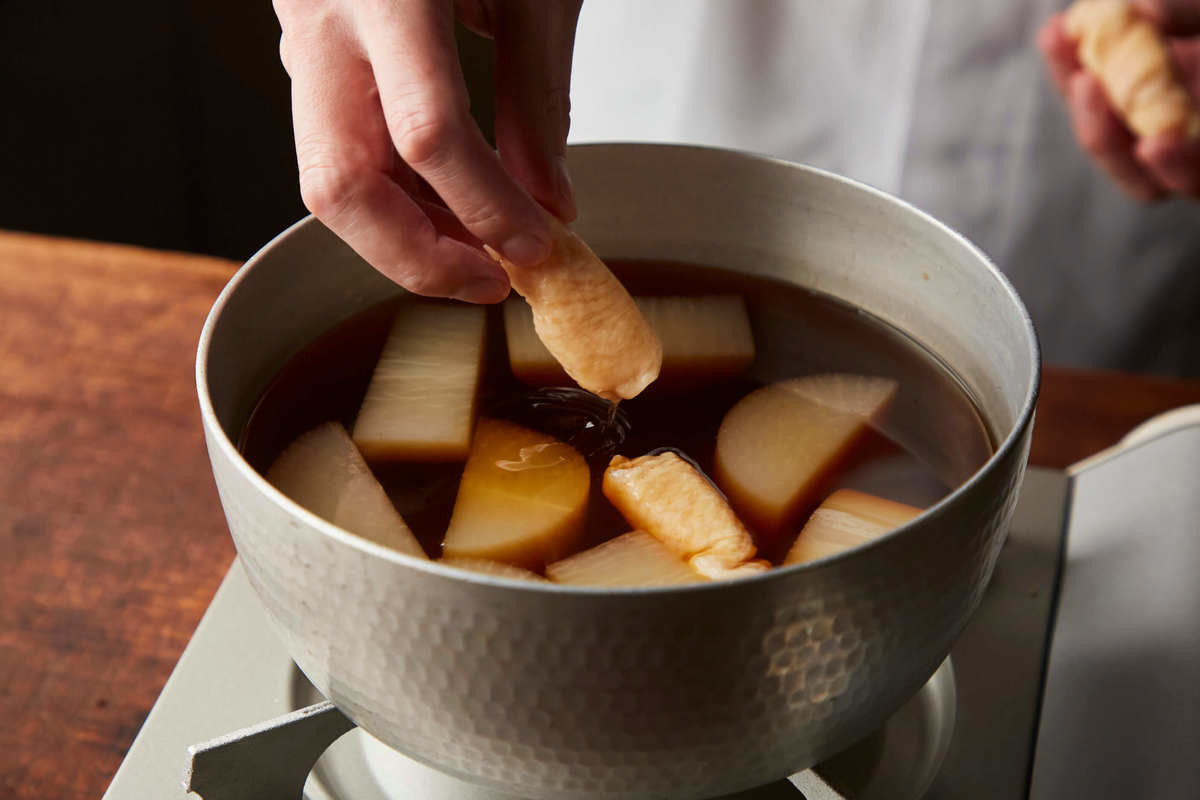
(431, 264)
(1153, 150)
(527, 248)
(1052, 38)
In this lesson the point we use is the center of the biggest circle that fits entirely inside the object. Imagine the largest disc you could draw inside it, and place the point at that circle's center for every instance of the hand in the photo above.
(389, 156)
(1148, 168)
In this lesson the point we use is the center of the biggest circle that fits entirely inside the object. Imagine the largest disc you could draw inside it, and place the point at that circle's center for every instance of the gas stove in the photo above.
(1021, 708)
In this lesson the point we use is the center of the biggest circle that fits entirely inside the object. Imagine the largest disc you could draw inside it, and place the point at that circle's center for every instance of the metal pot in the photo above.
(549, 691)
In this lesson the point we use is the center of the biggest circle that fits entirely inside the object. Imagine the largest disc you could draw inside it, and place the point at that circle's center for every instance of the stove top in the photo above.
(972, 731)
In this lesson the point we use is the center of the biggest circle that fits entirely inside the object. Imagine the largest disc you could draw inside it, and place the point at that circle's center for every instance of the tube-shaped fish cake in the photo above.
(1130, 58)
(668, 498)
(586, 319)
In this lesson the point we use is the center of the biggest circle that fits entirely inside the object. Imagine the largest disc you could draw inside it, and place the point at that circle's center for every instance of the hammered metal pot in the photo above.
(548, 691)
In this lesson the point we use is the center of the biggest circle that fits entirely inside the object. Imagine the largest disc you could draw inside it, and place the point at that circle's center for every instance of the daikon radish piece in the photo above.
(668, 498)
(497, 568)
(1130, 58)
(586, 319)
(324, 472)
(522, 499)
(779, 445)
(420, 403)
(704, 338)
(632, 559)
(847, 519)
(528, 358)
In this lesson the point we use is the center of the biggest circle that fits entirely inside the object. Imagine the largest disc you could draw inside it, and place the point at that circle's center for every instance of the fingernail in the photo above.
(563, 187)
(483, 290)
(526, 249)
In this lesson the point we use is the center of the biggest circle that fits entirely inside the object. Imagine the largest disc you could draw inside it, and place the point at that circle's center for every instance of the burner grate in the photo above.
(272, 761)
(269, 760)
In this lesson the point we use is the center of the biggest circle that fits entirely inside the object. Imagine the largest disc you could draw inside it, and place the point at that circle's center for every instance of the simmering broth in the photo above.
(930, 440)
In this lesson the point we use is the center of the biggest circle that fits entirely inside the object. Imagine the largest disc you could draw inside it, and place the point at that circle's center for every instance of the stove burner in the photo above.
(275, 758)
(236, 671)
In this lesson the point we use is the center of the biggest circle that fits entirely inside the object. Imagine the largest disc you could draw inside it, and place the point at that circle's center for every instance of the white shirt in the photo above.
(942, 102)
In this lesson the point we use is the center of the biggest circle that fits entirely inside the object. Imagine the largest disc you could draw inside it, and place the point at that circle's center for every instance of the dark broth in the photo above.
(931, 440)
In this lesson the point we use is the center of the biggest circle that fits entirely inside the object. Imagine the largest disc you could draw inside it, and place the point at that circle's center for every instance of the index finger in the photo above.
(413, 55)
(343, 154)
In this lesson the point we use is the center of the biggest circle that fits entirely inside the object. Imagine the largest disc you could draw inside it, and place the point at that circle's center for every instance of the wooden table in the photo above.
(111, 535)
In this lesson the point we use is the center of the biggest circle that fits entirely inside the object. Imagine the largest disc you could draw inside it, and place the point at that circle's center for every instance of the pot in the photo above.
(567, 692)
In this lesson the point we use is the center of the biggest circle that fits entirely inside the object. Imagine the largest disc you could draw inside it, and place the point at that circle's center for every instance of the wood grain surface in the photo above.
(111, 535)
(112, 538)
(1081, 412)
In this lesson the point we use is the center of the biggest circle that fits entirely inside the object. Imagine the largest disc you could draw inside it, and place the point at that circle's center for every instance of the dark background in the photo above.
(165, 124)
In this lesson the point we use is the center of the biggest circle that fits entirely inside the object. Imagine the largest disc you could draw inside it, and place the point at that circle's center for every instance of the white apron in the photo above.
(941, 102)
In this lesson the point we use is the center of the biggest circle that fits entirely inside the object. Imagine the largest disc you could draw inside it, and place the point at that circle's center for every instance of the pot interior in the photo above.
(689, 204)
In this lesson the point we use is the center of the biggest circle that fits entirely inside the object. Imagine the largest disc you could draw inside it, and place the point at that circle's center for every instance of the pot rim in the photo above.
(217, 435)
